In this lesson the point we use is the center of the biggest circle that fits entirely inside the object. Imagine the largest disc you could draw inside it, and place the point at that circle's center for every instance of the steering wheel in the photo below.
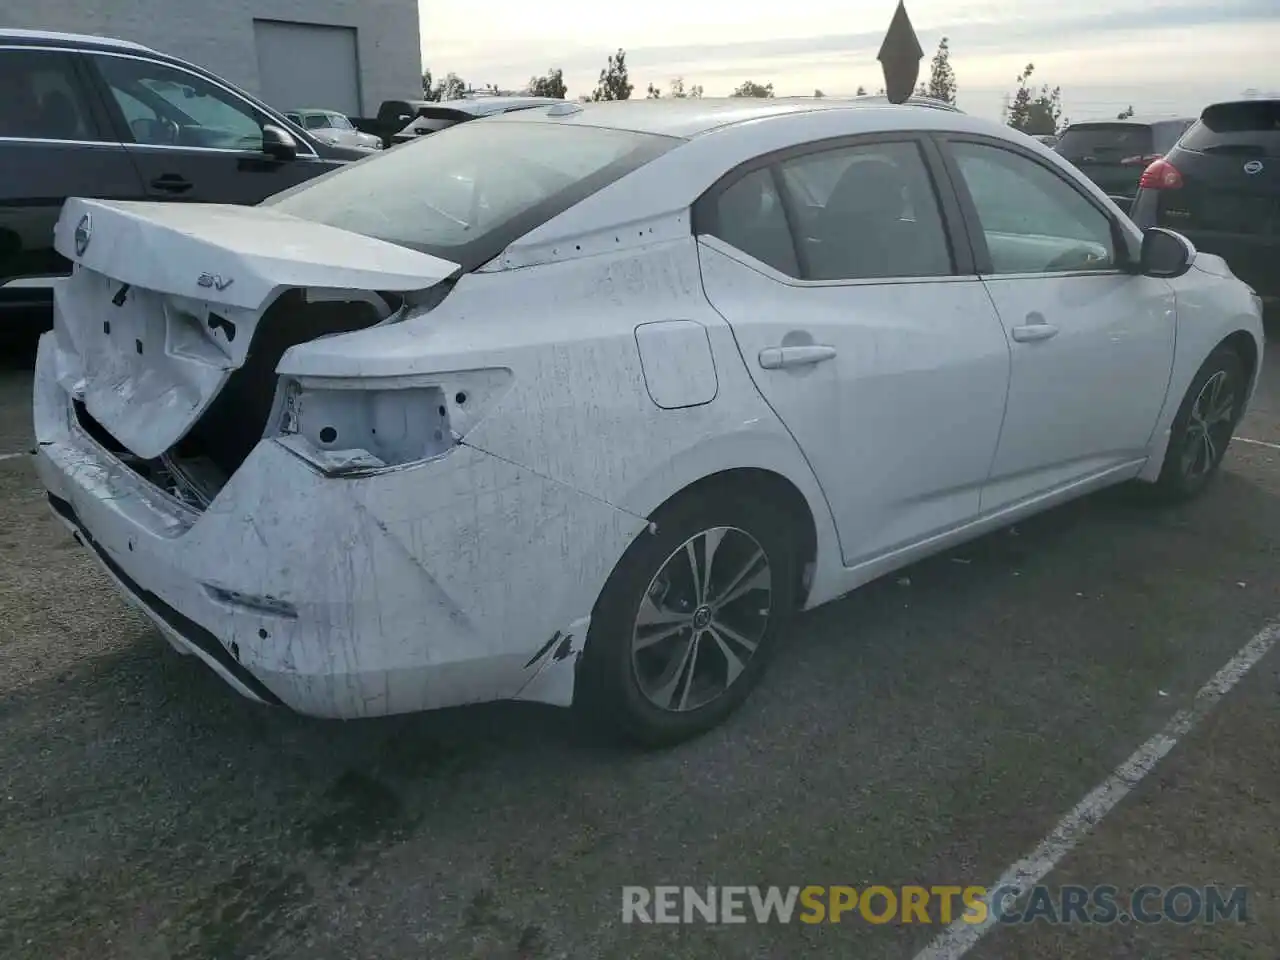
(1079, 258)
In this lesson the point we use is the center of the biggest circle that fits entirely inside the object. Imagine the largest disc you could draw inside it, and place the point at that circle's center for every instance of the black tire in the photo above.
(1188, 466)
(610, 684)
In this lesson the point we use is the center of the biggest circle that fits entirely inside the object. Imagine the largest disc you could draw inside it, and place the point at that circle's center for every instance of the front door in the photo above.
(881, 354)
(192, 139)
(1092, 342)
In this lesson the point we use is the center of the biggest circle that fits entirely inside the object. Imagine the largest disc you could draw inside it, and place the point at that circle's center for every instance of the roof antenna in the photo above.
(900, 57)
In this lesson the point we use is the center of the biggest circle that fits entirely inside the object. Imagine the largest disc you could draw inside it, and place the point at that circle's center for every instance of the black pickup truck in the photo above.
(399, 121)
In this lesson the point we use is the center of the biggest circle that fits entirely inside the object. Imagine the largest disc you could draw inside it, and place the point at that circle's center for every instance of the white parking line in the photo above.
(1257, 443)
(11, 456)
(959, 938)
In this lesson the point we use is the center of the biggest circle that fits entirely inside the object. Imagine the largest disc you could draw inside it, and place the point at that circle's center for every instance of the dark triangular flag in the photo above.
(900, 57)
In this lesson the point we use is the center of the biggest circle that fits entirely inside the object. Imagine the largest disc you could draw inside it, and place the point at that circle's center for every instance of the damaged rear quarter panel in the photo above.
(577, 411)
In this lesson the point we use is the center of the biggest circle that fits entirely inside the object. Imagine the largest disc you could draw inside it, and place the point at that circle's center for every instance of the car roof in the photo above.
(687, 117)
(81, 40)
(1129, 121)
(482, 106)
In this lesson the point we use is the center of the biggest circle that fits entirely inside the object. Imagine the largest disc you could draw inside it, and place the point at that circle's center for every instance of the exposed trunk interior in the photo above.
(199, 464)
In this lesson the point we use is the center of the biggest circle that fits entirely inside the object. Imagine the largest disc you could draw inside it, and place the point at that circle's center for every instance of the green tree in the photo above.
(1034, 112)
(614, 82)
(861, 91)
(549, 85)
(942, 77)
(751, 89)
(451, 87)
(680, 93)
(818, 94)
(1126, 113)
(677, 91)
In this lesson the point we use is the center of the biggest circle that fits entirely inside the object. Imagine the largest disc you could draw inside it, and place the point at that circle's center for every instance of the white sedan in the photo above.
(580, 403)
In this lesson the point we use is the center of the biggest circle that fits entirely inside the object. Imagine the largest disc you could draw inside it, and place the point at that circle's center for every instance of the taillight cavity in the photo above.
(1161, 175)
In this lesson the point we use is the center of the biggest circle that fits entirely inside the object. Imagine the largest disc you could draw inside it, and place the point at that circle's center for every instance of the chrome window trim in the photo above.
(137, 55)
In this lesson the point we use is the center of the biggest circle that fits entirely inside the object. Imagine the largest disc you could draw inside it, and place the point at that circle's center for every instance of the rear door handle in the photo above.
(776, 358)
(172, 183)
(1034, 331)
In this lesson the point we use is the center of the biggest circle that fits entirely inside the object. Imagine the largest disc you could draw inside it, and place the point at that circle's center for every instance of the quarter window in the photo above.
(1032, 219)
(42, 98)
(867, 212)
(168, 107)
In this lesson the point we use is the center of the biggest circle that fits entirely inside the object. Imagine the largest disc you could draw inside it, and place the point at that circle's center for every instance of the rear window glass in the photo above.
(1250, 128)
(466, 192)
(1112, 141)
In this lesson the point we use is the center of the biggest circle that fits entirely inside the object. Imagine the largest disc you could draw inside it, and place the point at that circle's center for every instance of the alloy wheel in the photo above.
(1209, 426)
(701, 619)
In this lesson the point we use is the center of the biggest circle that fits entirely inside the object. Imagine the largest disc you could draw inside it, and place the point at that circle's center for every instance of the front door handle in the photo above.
(1034, 331)
(776, 358)
(172, 183)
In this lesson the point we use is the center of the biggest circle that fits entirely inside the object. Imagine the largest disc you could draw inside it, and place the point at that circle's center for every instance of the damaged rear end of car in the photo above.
(175, 317)
(259, 421)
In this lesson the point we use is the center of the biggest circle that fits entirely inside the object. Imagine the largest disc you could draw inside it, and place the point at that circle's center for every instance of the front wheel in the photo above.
(1203, 426)
(684, 627)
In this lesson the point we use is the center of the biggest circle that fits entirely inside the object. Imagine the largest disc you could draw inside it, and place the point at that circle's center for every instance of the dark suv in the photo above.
(91, 117)
(1220, 187)
(1113, 153)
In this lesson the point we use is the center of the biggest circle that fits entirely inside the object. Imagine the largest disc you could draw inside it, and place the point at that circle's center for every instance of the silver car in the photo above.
(330, 126)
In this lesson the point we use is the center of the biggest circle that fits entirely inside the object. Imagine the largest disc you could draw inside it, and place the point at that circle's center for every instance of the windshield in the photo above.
(1250, 128)
(465, 193)
(1107, 142)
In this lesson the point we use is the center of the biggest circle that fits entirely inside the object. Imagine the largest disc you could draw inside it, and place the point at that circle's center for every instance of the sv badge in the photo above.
(214, 280)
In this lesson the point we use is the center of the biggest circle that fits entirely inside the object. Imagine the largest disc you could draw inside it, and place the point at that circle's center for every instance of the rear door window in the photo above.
(1249, 128)
(42, 97)
(1105, 142)
(867, 212)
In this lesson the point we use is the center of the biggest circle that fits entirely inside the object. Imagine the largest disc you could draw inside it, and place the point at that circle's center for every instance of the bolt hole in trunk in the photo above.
(198, 465)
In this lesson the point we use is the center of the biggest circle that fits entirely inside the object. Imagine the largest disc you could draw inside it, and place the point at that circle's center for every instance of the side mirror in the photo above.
(278, 143)
(1165, 253)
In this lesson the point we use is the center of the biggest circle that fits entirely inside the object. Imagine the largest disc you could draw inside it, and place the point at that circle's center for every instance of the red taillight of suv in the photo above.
(1161, 175)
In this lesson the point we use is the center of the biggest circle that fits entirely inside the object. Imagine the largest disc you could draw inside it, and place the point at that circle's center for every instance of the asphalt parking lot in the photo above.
(931, 729)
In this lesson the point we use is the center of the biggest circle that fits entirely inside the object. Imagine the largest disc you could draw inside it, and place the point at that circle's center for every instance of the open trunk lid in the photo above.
(164, 299)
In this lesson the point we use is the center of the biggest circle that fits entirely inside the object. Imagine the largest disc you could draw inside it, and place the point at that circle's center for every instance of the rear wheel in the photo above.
(1203, 426)
(685, 625)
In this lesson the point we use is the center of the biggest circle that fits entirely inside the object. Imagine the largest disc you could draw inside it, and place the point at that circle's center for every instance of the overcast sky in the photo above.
(1169, 57)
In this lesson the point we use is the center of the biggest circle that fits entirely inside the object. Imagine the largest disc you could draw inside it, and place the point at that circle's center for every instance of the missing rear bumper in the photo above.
(177, 627)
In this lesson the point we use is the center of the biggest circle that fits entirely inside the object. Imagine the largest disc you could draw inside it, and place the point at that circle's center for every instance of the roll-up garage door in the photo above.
(307, 65)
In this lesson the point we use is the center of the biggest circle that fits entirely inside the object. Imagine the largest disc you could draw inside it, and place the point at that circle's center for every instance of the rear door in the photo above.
(192, 139)
(863, 325)
(1228, 200)
(54, 143)
(1112, 155)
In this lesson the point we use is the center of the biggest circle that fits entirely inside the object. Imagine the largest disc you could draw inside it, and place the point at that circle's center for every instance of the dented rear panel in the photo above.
(165, 300)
